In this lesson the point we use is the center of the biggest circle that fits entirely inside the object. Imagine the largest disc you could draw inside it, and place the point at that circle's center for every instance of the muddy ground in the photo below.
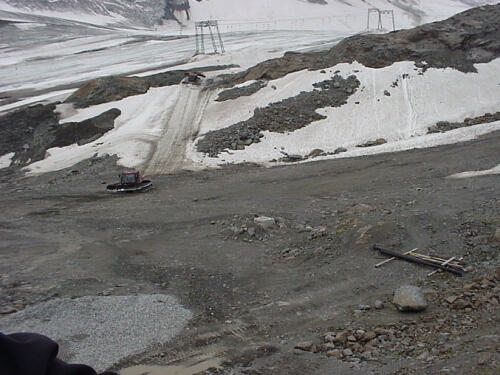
(256, 293)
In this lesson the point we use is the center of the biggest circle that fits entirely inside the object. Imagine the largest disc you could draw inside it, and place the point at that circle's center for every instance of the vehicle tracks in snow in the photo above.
(168, 155)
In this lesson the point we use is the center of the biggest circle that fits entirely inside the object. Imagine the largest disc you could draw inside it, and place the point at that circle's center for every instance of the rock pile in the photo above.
(444, 126)
(377, 142)
(426, 338)
(285, 116)
(241, 91)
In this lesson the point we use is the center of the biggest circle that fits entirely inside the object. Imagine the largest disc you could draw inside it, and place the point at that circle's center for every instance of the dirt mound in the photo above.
(458, 42)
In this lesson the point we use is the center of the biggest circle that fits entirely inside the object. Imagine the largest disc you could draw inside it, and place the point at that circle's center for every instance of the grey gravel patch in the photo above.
(101, 331)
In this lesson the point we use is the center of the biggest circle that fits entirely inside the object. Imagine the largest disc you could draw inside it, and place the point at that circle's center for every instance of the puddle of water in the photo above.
(170, 370)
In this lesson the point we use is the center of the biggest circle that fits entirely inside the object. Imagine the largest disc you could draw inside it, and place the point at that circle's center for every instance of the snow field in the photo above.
(418, 102)
(5, 160)
(140, 124)
(344, 16)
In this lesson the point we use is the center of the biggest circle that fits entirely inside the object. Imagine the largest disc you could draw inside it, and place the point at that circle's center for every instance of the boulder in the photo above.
(316, 152)
(409, 298)
(307, 346)
(264, 221)
(496, 236)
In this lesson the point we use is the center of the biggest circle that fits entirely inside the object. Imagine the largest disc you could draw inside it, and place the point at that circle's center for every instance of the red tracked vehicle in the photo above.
(130, 182)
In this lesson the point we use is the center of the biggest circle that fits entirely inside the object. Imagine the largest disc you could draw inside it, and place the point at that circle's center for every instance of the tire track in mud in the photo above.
(201, 347)
(169, 153)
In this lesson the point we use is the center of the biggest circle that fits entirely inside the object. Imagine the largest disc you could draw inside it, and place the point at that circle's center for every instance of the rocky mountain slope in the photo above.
(463, 43)
(460, 42)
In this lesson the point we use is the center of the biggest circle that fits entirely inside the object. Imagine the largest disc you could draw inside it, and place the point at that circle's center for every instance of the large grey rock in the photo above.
(496, 236)
(264, 221)
(409, 298)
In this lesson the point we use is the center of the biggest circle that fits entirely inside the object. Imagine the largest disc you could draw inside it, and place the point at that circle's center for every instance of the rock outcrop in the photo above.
(109, 89)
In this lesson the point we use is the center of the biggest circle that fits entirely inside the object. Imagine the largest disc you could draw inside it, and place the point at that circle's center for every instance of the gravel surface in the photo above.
(100, 331)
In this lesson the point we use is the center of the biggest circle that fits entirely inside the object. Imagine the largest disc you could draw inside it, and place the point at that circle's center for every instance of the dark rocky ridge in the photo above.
(459, 42)
(108, 89)
(285, 116)
(85, 131)
(31, 131)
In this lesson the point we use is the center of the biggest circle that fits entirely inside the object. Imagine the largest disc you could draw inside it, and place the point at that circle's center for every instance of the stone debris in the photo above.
(264, 221)
(444, 126)
(428, 337)
(241, 91)
(285, 116)
(308, 346)
(377, 142)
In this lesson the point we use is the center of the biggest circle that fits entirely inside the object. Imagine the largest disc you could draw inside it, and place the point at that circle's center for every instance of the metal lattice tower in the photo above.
(200, 36)
(379, 18)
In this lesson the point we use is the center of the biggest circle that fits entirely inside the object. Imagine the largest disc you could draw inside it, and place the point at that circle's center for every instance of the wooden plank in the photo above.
(414, 259)
(388, 260)
(443, 264)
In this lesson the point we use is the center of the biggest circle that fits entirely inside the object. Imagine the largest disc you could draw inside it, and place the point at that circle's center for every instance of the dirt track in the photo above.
(255, 296)
(182, 124)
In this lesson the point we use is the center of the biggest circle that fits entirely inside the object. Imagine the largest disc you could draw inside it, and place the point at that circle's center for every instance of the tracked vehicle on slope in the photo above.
(130, 182)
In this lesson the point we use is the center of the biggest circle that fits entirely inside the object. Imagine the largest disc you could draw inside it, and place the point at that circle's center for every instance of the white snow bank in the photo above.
(6, 160)
(54, 95)
(136, 129)
(469, 174)
(423, 141)
(417, 102)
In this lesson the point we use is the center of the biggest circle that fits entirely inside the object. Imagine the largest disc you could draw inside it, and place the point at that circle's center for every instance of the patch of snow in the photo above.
(424, 141)
(135, 132)
(29, 25)
(418, 102)
(6, 160)
(54, 95)
(469, 174)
